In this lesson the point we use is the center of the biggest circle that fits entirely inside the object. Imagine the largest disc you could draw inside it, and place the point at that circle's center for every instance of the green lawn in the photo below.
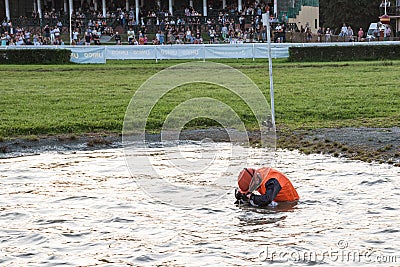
(77, 99)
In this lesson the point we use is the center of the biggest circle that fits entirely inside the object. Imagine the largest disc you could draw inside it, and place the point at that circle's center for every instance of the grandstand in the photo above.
(151, 16)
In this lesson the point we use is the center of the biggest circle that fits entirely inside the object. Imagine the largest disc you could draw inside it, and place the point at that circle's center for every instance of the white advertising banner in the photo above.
(88, 55)
(229, 51)
(130, 52)
(180, 51)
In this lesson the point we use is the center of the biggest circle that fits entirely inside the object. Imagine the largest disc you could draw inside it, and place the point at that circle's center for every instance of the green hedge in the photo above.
(344, 53)
(35, 56)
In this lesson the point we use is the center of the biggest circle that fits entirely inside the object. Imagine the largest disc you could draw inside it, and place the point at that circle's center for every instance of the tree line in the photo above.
(355, 13)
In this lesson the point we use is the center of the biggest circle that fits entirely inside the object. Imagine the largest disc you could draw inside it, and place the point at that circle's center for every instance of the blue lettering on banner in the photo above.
(92, 55)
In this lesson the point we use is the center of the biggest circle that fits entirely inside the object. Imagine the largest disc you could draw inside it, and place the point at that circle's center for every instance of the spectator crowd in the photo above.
(157, 26)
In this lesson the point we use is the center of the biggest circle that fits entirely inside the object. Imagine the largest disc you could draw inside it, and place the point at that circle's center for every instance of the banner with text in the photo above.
(229, 51)
(180, 51)
(88, 55)
(131, 52)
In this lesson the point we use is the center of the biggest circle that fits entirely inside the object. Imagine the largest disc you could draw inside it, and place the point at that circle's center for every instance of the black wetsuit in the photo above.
(272, 189)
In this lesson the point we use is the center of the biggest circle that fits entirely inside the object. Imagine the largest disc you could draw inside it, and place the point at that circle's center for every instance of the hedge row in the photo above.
(344, 53)
(35, 56)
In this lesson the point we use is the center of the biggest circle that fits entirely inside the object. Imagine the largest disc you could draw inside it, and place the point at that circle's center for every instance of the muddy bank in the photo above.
(366, 144)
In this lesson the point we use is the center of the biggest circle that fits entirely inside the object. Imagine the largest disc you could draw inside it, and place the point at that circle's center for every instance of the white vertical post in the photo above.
(240, 6)
(385, 8)
(34, 6)
(95, 4)
(223, 4)
(271, 80)
(104, 7)
(170, 7)
(205, 8)
(127, 5)
(39, 6)
(71, 10)
(8, 10)
(275, 8)
(137, 11)
(65, 7)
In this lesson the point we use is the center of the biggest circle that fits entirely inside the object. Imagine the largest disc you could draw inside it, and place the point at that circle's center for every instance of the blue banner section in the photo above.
(229, 51)
(88, 55)
(180, 51)
(131, 52)
(261, 51)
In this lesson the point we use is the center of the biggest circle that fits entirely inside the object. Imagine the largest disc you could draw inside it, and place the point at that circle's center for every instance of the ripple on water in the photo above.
(84, 209)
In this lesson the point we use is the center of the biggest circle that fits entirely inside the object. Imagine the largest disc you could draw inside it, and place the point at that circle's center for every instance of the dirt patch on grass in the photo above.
(367, 144)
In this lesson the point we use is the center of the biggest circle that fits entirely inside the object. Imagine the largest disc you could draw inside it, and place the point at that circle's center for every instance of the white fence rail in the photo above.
(100, 54)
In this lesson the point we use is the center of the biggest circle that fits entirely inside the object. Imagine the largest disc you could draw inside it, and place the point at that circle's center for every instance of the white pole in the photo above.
(137, 10)
(170, 7)
(223, 4)
(103, 5)
(8, 10)
(71, 10)
(65, 7)
(34, 6)
(39, 6)
(95, 4)
(385, 8)
(275, 8)
(271, 80)
(205, 8)
(127, 5)
(240, 6)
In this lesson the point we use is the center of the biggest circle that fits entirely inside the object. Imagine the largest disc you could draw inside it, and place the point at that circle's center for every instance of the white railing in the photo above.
(100, 54)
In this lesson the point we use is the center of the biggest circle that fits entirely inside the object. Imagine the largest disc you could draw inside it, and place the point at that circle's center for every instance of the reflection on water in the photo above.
(83, 208)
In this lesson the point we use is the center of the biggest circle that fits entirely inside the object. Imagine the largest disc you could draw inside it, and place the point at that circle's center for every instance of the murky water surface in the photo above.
(83, 209)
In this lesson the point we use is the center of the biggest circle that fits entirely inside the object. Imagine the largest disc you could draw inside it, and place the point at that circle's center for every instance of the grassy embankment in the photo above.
(77, 99)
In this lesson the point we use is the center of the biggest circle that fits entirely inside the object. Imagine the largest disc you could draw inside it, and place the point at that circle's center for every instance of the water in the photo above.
(83, 208)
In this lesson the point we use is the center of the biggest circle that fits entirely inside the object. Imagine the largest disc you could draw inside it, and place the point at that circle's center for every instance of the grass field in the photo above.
(41, 100)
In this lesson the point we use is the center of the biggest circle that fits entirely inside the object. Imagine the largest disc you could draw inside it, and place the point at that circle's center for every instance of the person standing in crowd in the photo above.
(343, 32)
(75, 35)
(388, 32)
(350, 34)
(88, 38)
(131, 35)
(320, 32)
(117, 38)
(360, 35)
(3, 40)
(328, 35)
